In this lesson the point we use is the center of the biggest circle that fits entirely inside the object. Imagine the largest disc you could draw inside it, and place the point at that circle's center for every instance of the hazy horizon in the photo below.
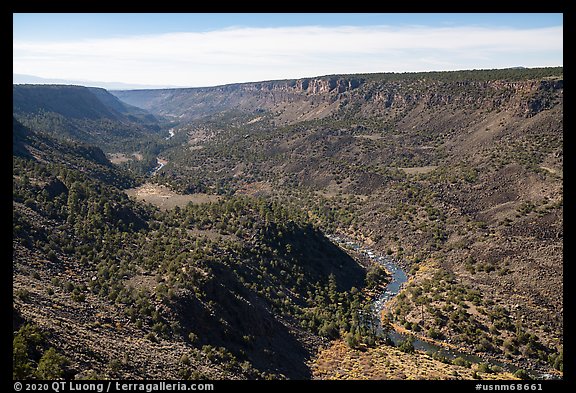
(23, 79)
(201, 50)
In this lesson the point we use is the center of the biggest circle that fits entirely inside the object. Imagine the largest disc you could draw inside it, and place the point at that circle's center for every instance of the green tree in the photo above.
(25, 344)
(22, 365)
(351, 340)
(51, 365)
(332, 287)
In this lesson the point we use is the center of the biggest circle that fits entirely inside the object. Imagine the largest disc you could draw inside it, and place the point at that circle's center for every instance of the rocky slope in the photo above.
(463, 170)
(459, 175)
(120, 289)
(85, 114)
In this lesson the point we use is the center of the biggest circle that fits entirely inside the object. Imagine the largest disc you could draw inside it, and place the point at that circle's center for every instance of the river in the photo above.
(160, 165)
(396, 284)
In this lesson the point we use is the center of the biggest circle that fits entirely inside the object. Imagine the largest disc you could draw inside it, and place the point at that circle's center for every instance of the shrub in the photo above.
(459, 361)
(192, 337)
(328, 329)
(115, 365)
(557, 360)
(433, 333)
(484, 368)
(184, 373)
(152, 337)
(52, 256)
(23, 294)
(185, 360)
(522, 374)
(407, 345)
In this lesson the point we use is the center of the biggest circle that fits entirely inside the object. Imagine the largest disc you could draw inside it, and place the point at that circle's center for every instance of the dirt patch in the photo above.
(256, 189)
(550, 170)
(257, 119)
(418, 169)
(119, 158)
(143, 282)
(165, 198)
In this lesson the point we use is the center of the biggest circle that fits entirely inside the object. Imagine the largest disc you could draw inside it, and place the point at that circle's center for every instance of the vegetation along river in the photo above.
(398, 279)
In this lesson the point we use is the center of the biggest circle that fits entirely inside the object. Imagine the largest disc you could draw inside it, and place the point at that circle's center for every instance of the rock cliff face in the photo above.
(316, 98)
(524, 98)
(267, 96)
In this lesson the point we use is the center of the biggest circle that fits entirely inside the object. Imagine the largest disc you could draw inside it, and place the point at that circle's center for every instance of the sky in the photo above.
(194, 50)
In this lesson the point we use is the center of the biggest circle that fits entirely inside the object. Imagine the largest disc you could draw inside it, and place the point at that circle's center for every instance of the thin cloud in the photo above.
(242, 54)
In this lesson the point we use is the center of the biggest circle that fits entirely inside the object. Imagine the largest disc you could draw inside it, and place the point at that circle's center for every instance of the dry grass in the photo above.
(385, 362)
(119, 158)
(165, 198)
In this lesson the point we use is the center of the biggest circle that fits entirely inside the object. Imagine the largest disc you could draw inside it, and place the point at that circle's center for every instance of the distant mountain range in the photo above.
(32, 79)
